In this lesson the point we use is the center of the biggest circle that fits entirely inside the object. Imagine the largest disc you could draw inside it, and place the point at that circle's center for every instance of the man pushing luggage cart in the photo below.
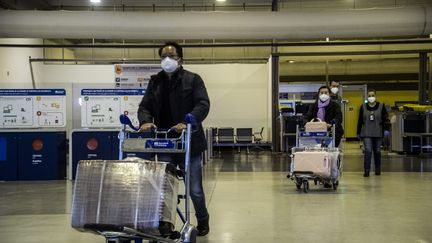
(134, 199)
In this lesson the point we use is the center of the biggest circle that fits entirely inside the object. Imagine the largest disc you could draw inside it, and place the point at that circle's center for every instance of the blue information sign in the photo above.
(112, 92)
(32, 92)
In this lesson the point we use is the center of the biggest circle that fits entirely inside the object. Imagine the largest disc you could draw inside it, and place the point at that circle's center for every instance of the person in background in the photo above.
(327, 110)
(335, 88)
(170, 95)
(372, 122)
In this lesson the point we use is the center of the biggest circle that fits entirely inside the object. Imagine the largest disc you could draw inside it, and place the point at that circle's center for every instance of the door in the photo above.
(354, 97)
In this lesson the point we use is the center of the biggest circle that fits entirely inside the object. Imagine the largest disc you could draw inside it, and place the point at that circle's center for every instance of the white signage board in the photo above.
(102, 107)
(134, 75)
(32, 108)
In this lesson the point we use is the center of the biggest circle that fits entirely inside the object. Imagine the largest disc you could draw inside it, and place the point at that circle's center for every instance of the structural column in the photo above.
(423, 79)
(275, 102)
(275, 91)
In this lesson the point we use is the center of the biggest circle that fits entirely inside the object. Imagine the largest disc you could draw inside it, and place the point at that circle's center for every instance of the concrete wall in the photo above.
(239, 93)
(14, 62)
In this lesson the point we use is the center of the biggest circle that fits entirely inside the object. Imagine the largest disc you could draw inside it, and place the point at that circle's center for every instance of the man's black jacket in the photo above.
(188, 95)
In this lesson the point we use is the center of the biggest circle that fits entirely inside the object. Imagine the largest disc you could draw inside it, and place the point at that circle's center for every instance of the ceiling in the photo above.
(203, 5)
(302, 65)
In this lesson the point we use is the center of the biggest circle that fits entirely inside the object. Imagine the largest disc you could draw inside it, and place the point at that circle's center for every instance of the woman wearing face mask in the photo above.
(327, 110)
(370, 127)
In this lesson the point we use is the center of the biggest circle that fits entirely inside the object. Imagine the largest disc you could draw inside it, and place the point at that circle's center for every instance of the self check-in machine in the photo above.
(98, 136)
(32, 143)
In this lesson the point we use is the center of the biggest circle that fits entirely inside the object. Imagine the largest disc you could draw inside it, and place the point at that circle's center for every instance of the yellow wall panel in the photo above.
(389, 97)
(355, 99)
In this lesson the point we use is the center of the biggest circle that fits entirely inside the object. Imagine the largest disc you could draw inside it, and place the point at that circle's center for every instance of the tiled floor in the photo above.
(251, 200)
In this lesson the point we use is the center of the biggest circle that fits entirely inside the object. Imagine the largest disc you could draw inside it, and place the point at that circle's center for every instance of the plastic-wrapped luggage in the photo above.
(138, 194)
(313, 162)
(336, 164)
(321, 163)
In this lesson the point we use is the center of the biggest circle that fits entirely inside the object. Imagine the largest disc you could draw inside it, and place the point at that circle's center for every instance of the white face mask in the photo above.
(335, 90)
(324, 97)
(371, 99)
(169, 65)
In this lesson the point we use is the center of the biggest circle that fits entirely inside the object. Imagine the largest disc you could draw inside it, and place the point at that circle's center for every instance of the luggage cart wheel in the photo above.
(298, 183)
(305, 186)
(335, 185)
(189, 235)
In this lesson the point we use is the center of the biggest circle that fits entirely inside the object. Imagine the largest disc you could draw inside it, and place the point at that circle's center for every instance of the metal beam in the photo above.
(125, 60)
(350, 77)
(162, 8)
(222, 45)
(25, 5)
(392, 86)
(380, 86)
(275, 102)
(32, 73)
(423, 79)
(275, 6)
(350, 53)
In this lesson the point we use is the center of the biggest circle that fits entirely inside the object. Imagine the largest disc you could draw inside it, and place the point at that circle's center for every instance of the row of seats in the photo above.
(242, 135)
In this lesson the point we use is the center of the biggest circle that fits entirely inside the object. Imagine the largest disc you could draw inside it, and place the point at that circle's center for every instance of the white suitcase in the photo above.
(315, 162)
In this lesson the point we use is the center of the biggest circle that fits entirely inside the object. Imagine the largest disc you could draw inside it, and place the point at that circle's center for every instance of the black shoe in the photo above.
(203, 227)
(366, 174)
(377, 173)
(327, 185)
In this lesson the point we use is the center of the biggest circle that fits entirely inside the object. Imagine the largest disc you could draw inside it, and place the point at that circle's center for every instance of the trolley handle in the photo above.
(164, 132)
(124, 120)
(189, 119)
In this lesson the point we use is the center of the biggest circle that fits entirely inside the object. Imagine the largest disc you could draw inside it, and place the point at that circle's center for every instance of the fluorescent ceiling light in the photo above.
(95, 1)
(220, 1)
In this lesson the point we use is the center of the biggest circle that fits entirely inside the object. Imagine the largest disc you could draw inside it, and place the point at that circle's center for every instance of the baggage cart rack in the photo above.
(314, 141)
(156, 145)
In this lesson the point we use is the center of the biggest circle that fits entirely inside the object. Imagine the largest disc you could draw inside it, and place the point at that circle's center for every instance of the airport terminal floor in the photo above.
(251, 200)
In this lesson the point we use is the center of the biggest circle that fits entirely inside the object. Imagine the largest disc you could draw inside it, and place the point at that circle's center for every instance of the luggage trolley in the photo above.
(157, 145)
(311, 146)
